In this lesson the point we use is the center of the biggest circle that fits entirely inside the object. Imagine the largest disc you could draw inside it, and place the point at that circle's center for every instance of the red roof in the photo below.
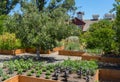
(78, 21)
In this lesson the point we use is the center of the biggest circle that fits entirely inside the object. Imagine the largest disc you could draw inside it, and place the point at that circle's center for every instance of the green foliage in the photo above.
(1, 72)
(94, 51)
(7, 5)
(72, 43)
(85, 65)
(47, 76)
(42, 29)
(29, 74)
(48, 72)
(38, 74)
(20, 71)
(101, 36)
(8, 42)
(117, 25)
(2, 20)
(4, 77)
(72, 46)
(32, 71)
(39, 71)
(44, 69)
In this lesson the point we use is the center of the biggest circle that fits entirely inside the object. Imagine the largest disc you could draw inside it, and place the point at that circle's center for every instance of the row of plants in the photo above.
(38, 69)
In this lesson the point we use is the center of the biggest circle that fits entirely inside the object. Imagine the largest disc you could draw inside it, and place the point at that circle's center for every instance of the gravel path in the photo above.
(54, 56)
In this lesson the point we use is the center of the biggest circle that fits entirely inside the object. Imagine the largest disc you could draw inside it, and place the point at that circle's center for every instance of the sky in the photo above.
(90, 7)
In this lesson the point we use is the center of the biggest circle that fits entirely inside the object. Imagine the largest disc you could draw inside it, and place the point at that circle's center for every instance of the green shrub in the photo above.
(72, 46)
(9, 41)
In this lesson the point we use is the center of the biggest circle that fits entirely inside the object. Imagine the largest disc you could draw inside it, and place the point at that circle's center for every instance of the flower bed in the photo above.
(71, 53)
(66, 71)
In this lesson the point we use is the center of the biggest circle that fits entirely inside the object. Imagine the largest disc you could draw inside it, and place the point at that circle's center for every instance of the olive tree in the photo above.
(41, 29)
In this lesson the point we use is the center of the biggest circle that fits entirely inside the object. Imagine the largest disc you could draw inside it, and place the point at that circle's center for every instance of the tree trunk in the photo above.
(38, 53)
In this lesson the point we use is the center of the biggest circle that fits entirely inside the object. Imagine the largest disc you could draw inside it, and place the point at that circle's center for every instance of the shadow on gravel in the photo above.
(25, 57)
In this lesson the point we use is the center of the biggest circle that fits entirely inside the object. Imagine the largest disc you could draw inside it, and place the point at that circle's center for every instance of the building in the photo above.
(79, 20)
(84, 24)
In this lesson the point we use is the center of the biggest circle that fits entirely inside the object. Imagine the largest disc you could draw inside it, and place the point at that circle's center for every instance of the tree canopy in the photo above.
(101, 35)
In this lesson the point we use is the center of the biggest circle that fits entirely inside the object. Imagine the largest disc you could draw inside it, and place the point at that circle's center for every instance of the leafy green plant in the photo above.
(39, 71)
(44, 69)
(37, 68)
(51, 70)
(29, 74)
(32, 71)
(20, 71)
(48, 72)
(38, 74)
(47, 76)
(4, 77)
(11, 69)
(1, 72)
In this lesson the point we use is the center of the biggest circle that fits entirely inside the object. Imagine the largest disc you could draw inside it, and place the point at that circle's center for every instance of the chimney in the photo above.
(95, 17)
(80, 15)
(109, 16)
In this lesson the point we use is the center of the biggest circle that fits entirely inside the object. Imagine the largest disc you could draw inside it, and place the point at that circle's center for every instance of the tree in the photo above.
(40, 29)
(101, 36)
(2, 20)
(117, 25)
(7, 5)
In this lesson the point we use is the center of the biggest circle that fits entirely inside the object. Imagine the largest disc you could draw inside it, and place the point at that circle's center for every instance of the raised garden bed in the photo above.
(20, 78)
(108, 75)
(101, 59)
(102, 75)
(33, 51)
(86, 56)
(68, 70)
(71, 53)
(58, 48)
(12, 52)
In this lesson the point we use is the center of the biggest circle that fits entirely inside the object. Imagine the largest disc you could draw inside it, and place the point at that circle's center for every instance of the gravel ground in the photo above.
(56, 58)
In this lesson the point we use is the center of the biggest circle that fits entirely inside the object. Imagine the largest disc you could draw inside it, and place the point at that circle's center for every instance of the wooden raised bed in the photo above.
(101, 59)
(58, 48)
(27, 79)
(100, 76)
(33, 51)
(21, 78)
(71, 53)
(12, 52)
(109, 75)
